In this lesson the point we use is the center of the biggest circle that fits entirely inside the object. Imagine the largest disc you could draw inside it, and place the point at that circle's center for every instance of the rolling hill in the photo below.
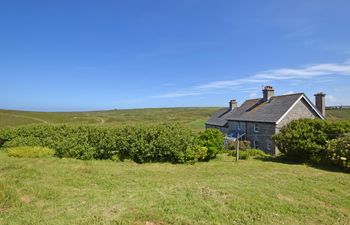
(191, 117)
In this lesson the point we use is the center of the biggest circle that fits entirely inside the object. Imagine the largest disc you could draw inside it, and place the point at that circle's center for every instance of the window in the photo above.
(269, 146)
(256, 127)
(256, 144)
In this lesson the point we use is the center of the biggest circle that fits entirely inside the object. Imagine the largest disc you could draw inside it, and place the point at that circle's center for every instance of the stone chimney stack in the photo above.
(320, 102)
(233, 104)
(268, 92)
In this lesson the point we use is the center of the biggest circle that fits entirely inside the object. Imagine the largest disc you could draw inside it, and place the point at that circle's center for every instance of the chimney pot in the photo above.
(268, 92)
(233, 104)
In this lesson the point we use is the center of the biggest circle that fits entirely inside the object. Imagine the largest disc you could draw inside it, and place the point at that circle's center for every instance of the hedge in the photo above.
(308, 139)
(158, 143)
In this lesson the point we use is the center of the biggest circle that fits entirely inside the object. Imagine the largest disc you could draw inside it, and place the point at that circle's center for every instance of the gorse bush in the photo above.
(213, 140)
(158, 143)
(30, 152)
(338, 152)
(306, 139)
(317, 141)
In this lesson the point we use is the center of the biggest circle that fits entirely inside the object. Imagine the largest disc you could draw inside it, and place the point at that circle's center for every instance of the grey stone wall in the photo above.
(300, 110)
(262, 136)
(222, 129)
(234, 125)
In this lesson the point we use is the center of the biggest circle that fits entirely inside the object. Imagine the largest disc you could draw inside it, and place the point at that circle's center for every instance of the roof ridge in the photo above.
(299, 93)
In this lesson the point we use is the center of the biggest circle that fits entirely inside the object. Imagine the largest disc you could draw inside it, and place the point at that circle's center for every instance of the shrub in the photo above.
(213, 140)
(158, 143)
(306, 139)
(30, 152)
(338, 152)
(250, 153)
(243, 145)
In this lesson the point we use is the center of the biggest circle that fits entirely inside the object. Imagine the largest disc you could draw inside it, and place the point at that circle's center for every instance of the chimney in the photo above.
(268, 92)
(320, 102)
(233, 104)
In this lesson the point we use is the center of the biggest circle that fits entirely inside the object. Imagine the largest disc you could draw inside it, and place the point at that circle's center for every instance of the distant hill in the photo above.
(194, 118)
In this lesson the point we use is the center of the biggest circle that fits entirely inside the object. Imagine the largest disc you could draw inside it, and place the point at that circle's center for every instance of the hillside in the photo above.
(191, 117)
(338, 114)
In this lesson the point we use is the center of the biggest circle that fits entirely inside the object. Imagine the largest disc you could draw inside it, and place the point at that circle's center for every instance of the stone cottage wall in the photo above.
(262, 137)
(300, 110)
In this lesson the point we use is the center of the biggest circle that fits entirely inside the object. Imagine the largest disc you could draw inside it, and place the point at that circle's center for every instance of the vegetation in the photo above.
(157, 143)
(213, 141)
(193, 118)
(67, 191)
(250, 154)
(343, 114)
(30, 152)
(306, 140)
(338, 152)
(243, 145)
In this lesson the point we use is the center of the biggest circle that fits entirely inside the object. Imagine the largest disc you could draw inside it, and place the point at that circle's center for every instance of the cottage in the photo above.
(257, 120)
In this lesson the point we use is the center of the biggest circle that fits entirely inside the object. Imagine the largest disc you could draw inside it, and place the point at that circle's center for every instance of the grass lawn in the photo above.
(68, 191)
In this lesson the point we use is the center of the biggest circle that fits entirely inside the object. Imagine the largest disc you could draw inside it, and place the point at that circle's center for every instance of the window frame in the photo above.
(256, 128)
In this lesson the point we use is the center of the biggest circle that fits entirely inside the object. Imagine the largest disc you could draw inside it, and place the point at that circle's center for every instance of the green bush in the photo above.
(249, 153)
(30, 152)
(243, 145)
(213, 140)
(158, 143)
(306, 139)
(338, 152)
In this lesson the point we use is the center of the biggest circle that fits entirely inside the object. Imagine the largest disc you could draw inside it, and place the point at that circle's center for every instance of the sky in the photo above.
(94, 55)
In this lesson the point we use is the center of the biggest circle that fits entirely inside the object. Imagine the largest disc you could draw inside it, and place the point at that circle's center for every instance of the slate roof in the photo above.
(218, 119)
(255, 110)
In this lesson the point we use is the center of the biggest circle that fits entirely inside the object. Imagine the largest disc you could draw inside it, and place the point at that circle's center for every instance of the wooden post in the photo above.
(237, 147)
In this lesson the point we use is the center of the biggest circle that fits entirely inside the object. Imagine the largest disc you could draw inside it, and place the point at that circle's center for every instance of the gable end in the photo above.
(308, 106)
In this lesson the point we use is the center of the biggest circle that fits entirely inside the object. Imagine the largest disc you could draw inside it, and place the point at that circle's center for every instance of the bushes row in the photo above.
(314, 140)
(161, 143)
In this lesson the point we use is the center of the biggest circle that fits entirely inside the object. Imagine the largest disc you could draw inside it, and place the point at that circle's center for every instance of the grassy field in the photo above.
(194, 118)
(191, 117)
(67, 191)
(338, 114)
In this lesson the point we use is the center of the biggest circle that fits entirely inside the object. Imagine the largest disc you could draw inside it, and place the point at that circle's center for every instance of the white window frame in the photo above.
(256, 128)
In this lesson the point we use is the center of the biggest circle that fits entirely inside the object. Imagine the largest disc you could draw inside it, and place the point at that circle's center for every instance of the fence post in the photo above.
(237, 147)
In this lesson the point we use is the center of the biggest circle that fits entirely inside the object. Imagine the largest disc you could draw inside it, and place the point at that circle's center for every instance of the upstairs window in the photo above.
(256, 127)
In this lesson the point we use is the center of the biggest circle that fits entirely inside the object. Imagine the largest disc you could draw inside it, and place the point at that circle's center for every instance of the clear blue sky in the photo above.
(88, 55)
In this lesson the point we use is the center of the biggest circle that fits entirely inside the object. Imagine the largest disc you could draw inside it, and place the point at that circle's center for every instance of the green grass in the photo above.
(338, 114)
(67, 191)
(30, 152)
(194, 118)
